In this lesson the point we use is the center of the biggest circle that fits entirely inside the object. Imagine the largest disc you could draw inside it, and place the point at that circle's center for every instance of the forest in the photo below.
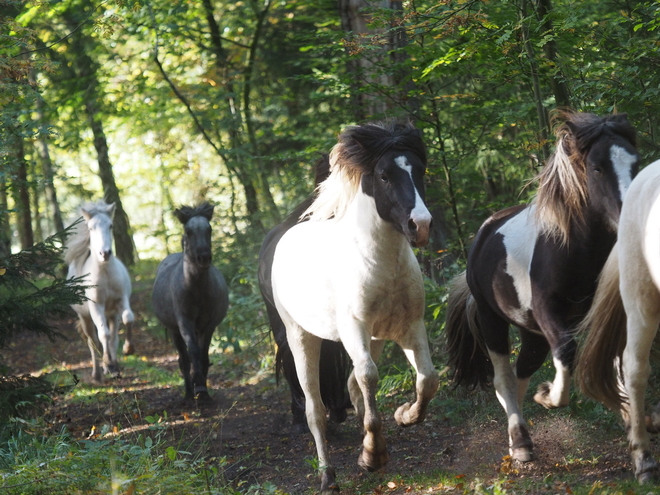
(155, 104)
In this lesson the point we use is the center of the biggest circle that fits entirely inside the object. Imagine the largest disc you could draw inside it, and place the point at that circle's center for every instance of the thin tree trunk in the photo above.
(5, 226)
(85, 69)
(541, 114)
(557, 82)
(22, 196)
(47, 167)
(120, 225)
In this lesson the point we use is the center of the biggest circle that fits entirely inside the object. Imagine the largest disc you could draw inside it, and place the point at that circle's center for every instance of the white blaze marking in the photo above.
(622, 162)
(519, 238)
(419, 212)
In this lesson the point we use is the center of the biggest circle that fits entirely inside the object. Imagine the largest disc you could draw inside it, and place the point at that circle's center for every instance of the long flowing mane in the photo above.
(562, 194)
(77, 245)
(356, 153)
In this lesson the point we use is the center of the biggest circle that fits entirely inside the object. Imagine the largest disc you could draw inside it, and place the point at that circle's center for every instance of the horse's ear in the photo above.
(86, 215)
(620, 117)
(180, 215)
(111, 210)
(206, 210)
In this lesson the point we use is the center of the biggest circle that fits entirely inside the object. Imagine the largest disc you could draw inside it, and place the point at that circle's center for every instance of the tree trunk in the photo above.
(22, 196)
(85, 68)
(541, 114)
(5, 227)
(47, 167)
(557, 83)
(120, 225)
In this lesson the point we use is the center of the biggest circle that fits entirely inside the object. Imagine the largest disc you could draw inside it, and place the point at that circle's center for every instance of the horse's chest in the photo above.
(390, 302)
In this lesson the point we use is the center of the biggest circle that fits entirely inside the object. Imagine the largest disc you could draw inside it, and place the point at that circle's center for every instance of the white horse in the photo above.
(624, 318)
(89, 255)
(349, 274)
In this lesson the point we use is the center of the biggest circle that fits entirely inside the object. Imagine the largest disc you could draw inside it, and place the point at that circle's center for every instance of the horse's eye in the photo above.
(598, 170)
(384, 178)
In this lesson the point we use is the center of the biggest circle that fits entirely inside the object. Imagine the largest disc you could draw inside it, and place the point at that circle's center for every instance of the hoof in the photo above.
(523, 454)
(522, 448)
(328, 484)
(203, 398)
(646, 469)
(128, 349)
(647, 478)
(338, 415)
(371, 461)
(300, 428)
(404, 417)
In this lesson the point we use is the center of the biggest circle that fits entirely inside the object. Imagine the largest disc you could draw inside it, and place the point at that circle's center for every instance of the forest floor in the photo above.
(247, 430)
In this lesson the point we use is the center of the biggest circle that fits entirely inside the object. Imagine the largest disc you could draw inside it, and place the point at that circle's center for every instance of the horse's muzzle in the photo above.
(418, 232)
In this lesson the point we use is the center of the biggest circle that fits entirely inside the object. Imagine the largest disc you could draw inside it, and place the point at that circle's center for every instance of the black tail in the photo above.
(335, 364)
(468, 358)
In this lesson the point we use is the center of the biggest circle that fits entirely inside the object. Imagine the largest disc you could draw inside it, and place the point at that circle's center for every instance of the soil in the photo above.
(247, 428)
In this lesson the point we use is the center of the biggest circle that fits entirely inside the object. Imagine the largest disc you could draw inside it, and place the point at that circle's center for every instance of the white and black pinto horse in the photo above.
(190, 298)
(349, 274)
(335, 365)
(89, 255)
(623, 320)
(535, 267)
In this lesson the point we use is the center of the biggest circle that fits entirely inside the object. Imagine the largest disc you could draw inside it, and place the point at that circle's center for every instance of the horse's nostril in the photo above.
(412, 226)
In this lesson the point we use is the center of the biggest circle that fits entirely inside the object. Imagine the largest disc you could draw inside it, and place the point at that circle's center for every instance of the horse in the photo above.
(349, 274)
(190, 298)
(623, 320)
(334, 361)
(88, 254)
(534, 266)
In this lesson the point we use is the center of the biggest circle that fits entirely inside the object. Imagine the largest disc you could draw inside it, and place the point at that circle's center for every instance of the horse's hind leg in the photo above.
(416, 347)
(128, 318)
(306, 350)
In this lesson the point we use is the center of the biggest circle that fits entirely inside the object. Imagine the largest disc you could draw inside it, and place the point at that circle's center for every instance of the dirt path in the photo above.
(248, 428)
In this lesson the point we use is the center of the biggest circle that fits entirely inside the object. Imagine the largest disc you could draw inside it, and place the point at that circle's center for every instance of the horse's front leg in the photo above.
(196, 383)
(306, 351)
(357, 342)
(113, 345)
(88, 330)
(354, 389)
(549, 315)
(415, 345)
(636, 370)
(97, 313)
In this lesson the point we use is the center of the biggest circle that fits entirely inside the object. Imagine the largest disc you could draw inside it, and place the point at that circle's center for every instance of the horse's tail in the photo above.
(468, 358)
(598, 372)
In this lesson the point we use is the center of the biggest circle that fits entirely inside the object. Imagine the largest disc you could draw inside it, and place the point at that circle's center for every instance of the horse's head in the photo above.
(99, 224)
(611, 162)
(588, 175)
(196, 239)
(397, 186)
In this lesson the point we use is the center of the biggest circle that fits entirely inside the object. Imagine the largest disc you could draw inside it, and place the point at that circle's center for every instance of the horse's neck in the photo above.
(193, 276)
(374, 237)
